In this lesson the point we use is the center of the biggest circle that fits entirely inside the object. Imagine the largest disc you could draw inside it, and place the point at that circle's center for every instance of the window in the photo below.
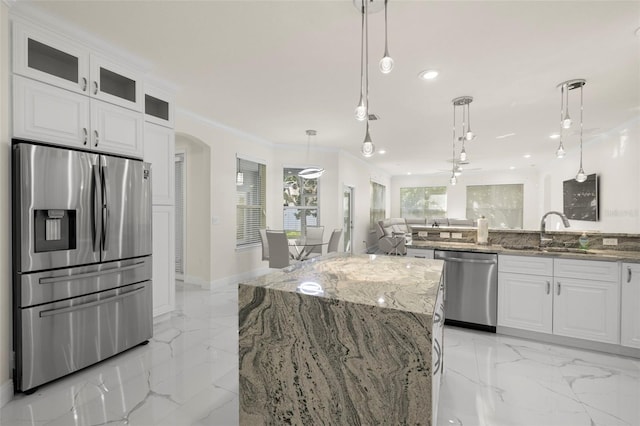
(429, 202)
(377, 211)
(500, 204)
(250, 202)
(300, 203)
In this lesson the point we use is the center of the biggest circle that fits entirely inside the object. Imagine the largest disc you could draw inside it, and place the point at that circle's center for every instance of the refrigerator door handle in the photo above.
(64, 278)
(96, 208)
(90, 304)
(106, 196)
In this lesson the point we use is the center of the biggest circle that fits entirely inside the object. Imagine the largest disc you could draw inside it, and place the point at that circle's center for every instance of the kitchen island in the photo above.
(342, 339)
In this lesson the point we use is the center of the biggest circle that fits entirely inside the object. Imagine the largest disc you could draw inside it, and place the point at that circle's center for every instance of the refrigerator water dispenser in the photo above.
(55, 229)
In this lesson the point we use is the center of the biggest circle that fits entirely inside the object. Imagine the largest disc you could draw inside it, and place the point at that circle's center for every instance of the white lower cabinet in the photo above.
(525, 302)
(565, 297)
(630, 309)
(422, 253)
(586, 309)
(163, 260)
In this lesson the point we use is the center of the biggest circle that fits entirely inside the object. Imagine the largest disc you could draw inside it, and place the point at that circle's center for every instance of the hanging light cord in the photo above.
(366, 52)
(581, 87)
(362, 55)
(453, 145)
(386, 44)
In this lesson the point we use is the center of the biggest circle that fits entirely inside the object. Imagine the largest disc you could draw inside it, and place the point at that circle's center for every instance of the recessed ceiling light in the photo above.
(505, 135)
(382, 151)
(527, 156)
(512, 167)
(554, 135)
(408, 173)
(428, 74)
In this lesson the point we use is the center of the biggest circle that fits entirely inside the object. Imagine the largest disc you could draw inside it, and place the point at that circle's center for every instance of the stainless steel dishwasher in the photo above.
(471, 289)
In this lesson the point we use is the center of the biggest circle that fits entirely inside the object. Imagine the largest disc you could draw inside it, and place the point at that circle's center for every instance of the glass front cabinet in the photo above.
(53, 59)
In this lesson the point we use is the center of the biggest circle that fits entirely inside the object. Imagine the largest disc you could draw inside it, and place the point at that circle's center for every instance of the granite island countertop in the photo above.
(342, 339)
(403, 283)
(558, 252)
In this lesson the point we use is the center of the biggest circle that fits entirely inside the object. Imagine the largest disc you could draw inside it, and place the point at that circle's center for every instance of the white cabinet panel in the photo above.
(531, 265)
(586, 269)
(159, 149)
(116, 130)
(587, 309)
(525, 302)
(630, 309)
(158, 106)
(46, 113)
(163, 260)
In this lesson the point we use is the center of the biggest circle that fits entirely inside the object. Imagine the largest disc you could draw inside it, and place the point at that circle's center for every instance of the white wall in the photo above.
(5, 208)
(457, 195)
(615, 157)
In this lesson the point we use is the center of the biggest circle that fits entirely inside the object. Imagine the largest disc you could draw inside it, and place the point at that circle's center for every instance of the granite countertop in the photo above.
(556, 252)
(403, 283)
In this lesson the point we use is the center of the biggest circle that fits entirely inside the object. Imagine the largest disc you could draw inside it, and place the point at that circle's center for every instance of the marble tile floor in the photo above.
(187, 375)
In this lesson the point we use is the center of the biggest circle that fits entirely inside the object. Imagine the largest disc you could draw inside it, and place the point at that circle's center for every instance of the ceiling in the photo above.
(272, 69)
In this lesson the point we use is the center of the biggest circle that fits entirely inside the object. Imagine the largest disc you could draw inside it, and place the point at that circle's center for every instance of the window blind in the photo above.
(428, 202)
(250, 201)
(180, 213)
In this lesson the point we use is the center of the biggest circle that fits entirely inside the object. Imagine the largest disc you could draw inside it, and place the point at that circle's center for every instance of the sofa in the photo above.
(394, 233)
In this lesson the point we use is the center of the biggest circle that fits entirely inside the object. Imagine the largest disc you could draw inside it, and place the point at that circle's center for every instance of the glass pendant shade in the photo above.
(361, 110)
(368, 148)
(463, 155)
(386, 64)
(581, 176)
(566, 121)
(453, 180)
(560, 153)
(470, 135)
(458, 170)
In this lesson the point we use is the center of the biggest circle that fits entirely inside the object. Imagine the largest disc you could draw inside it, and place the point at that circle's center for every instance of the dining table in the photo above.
(301, 249)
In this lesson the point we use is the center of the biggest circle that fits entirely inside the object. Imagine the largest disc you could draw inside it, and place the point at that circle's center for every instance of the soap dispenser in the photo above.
(583, 241)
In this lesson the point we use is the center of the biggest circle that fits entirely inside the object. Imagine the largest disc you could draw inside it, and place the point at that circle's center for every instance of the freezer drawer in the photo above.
(44, 287)
(62, 337)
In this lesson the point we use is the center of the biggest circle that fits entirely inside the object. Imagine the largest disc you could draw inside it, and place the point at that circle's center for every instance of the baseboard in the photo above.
(6, 392)
(188, 279)
(570, 341)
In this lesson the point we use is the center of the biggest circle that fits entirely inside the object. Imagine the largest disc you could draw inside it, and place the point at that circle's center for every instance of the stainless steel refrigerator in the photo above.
(81, 259)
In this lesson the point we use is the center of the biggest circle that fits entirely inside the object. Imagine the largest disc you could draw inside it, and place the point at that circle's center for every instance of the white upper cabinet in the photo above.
(53, 59)
(158, 106)
(630, 309)
(41, 55)
(116, 130)
(45, 113)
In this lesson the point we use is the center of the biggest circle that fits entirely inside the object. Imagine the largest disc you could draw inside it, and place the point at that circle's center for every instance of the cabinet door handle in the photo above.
(559, 288)
(548, 287)
(95, 87)
(86, 135)
(628, 274)
(97, 138)
(84, 84)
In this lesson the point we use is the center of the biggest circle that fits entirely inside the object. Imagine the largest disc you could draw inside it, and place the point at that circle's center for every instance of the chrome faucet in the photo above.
(565, 222)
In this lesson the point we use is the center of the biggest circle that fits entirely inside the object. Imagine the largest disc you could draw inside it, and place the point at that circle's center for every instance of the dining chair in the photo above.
(314, 235)
(279, 256)
(265, 244)
(334, 240)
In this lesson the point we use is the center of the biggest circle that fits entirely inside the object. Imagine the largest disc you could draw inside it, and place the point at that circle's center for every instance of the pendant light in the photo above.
(362, 110)
(560, 153)
(368, 148)
(466, 135)
(453, 180)
(239, 174)
(386, 63)
(565, 121)
(310, 172)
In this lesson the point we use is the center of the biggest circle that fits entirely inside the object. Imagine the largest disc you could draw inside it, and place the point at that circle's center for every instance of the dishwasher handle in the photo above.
(455, 259)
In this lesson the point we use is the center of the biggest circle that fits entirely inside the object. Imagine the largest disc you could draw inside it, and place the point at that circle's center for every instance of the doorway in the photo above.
(180, 194)
(347, 208)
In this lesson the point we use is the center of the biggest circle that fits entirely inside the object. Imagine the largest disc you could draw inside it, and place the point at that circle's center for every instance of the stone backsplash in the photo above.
(527, 239)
